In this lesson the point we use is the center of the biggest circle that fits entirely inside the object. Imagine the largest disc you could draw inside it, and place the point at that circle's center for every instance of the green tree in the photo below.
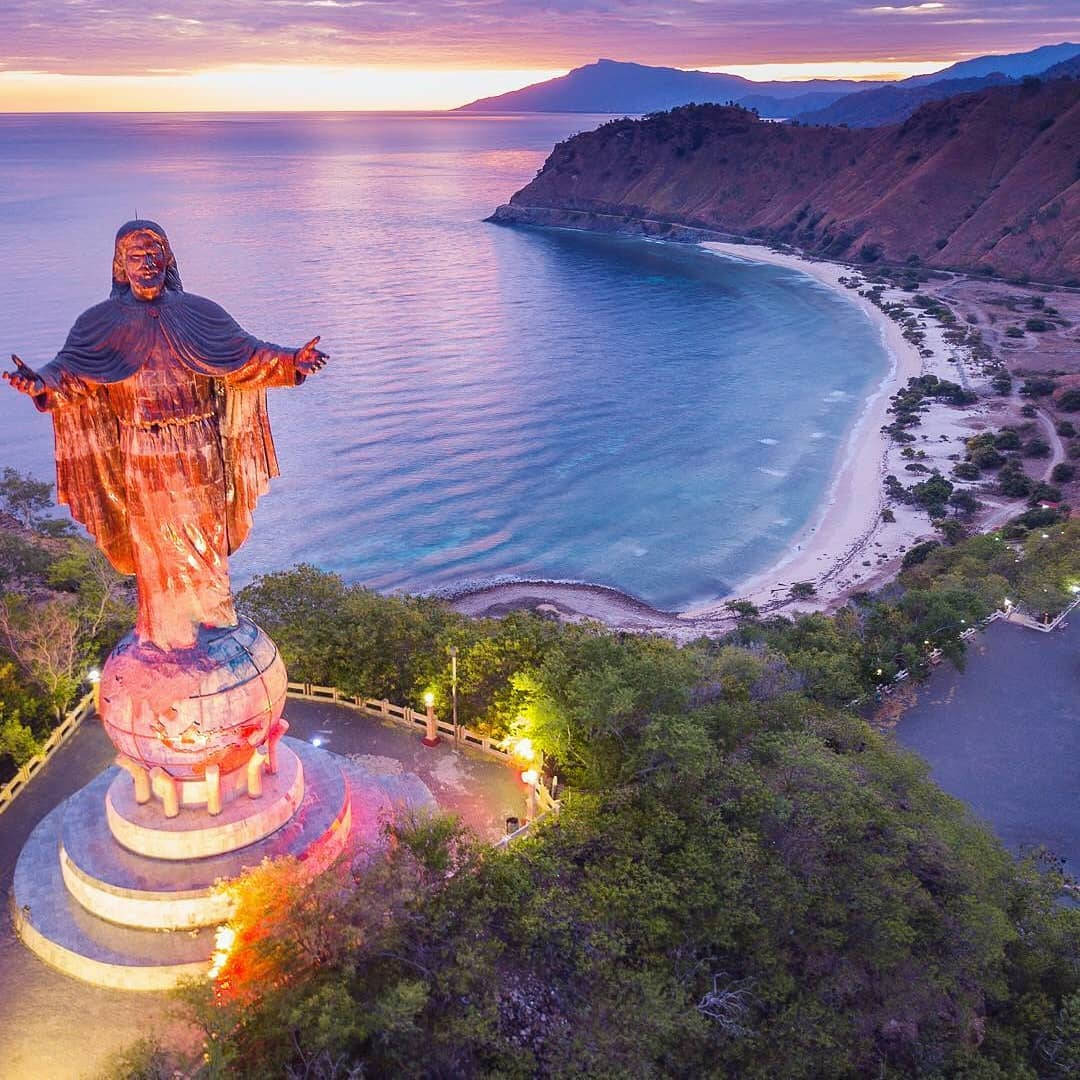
(24, 498)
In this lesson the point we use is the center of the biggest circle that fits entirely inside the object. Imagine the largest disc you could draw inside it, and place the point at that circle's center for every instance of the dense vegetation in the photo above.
(743, 884)
(746, 880)
(398, 647)
(61, 609)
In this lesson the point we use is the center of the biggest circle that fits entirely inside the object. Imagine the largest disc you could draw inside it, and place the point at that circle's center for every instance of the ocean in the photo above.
(500, 402)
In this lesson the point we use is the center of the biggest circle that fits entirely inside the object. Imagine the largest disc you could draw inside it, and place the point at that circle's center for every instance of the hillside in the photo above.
(610, 86)
(1067, 69)
(1014, 65)
(891, 104)
(982, 182)
(896, 102)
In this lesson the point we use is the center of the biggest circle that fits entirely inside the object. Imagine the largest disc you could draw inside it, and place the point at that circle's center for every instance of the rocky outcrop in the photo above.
(986, 182)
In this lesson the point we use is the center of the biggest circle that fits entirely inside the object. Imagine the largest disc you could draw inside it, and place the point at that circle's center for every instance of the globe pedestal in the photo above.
(197, 727)
(122, 884)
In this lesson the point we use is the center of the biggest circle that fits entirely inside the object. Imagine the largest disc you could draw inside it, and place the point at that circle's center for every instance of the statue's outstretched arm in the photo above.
(272, 365)
(51, 388)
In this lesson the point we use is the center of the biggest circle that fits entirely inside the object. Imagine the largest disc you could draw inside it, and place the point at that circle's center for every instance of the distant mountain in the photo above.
(611, 86)
(983, 181)
(1015, 65)
(891, 104)
(1067, 69)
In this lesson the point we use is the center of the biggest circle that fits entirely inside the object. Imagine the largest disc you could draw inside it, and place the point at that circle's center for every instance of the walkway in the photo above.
(56, 1028)
(1003, 735)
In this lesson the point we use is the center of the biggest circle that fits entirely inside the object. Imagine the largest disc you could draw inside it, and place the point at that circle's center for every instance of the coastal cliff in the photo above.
(988, 182)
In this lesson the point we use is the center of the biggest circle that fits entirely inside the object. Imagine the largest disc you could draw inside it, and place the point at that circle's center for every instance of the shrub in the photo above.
(1014, 483)
(742, 608)
(986, 457)
(1038, 326)
(952, 532)
(1038, 386)
(1042, 492)
(919, 553)
(1062, 473)
(1036, 448)
(1069, 400)
(964, 503)
(966, 470)
(1066, 429)
(1007, 439)
(933, 494)
(1013, 332)
(803, 590)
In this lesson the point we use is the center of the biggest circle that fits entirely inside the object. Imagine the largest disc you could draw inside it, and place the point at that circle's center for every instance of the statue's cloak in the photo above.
(109, 343)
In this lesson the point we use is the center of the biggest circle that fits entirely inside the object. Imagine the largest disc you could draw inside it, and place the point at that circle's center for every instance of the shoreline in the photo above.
(848, 517)
(845, 545)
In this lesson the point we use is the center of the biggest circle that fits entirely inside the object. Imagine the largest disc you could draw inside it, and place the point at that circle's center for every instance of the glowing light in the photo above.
(259, 87)
(429, 699)
(524, 750)
(224, 939)
(1074, 588)
(530, 777)
(316, 740)
(93, 676)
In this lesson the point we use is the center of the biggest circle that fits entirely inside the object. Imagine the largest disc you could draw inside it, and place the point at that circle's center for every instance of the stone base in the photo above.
(107, 915)
(121, 886)
(194, 834)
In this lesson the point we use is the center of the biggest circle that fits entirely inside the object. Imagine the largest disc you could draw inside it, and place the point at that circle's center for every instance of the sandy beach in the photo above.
(846, 546)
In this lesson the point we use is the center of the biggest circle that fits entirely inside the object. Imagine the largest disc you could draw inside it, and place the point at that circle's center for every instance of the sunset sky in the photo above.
(76, 55)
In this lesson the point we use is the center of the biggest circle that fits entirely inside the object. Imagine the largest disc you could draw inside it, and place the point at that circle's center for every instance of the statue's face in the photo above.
(144, 263)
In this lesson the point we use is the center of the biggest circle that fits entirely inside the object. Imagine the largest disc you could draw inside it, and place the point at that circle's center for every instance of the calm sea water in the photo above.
(500, 402)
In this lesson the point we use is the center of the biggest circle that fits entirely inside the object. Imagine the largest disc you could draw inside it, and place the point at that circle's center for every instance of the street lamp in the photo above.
(532, 778)
(431, 736)
(453, 686)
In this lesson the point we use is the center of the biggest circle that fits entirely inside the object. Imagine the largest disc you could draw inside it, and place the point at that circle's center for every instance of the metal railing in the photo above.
(56, 739)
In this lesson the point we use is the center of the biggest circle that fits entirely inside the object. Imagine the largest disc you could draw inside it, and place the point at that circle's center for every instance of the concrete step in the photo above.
(164, 894)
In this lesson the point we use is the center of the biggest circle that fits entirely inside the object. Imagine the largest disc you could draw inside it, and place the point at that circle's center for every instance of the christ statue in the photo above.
(163, 444)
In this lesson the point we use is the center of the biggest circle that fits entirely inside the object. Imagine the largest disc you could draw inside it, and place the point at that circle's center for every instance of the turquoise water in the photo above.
(500, 402)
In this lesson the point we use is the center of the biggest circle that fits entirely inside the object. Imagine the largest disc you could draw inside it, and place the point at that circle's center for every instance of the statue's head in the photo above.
(143, 261)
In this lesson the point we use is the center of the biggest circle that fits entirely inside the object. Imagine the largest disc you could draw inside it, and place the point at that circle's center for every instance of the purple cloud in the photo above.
(138, 37)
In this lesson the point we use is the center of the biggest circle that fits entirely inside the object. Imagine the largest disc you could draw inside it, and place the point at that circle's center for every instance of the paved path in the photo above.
(1003, 735)
(53, 1027)
(482, 791)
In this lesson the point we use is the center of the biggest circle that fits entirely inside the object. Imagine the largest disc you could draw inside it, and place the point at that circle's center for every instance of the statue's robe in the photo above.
(163, 447)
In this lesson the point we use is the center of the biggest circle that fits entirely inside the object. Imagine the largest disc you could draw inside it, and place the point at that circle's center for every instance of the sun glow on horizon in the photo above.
(315, 88)
(256, 88)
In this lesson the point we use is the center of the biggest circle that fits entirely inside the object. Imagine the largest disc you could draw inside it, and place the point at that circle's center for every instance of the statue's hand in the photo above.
(309, 359)
(23, 379)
